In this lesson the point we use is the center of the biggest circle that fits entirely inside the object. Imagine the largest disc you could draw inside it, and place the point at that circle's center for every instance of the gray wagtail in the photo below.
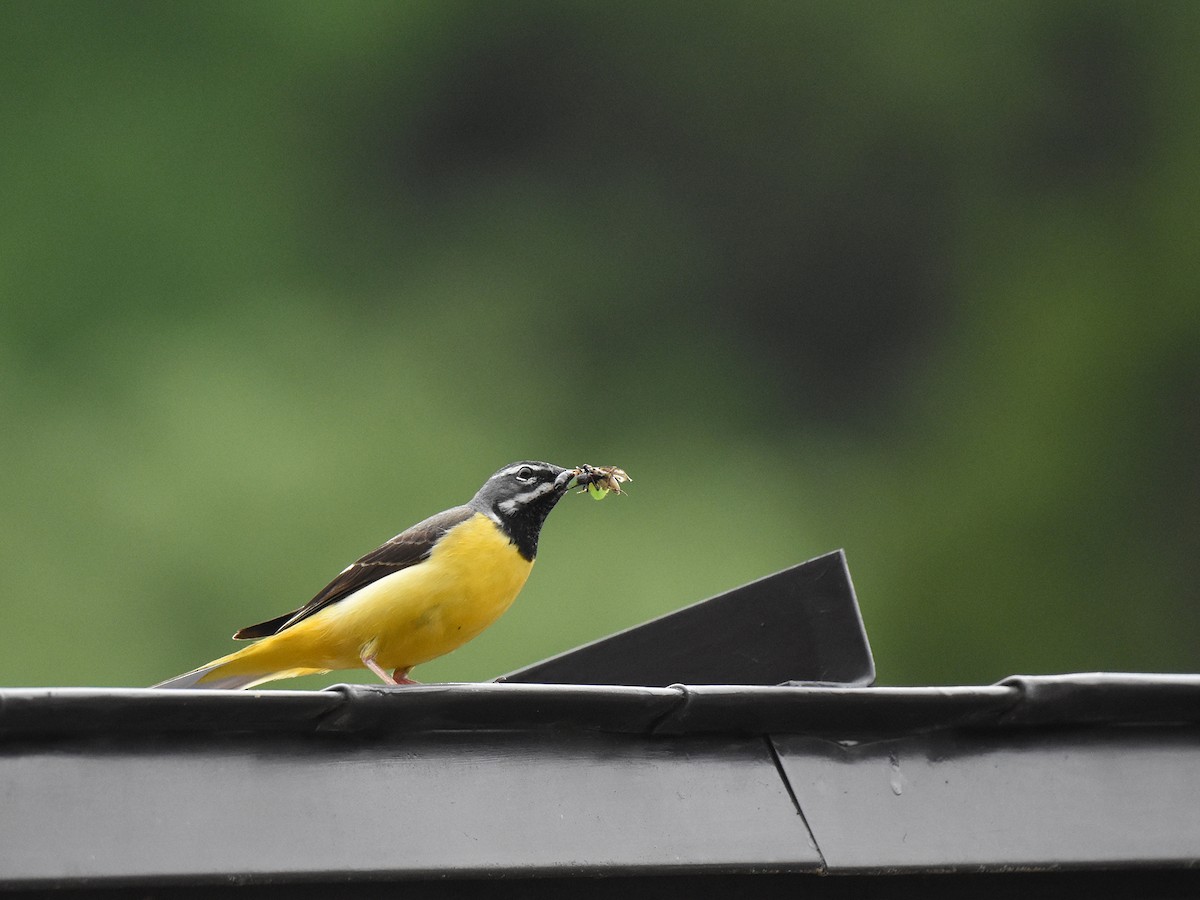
(425, 592)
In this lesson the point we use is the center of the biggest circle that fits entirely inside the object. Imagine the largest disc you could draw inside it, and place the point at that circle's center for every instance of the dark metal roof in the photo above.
(1023, 700)
(448, 786)
(482, 780)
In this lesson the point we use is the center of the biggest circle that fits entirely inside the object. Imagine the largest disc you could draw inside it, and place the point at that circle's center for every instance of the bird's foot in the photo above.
(400, 676)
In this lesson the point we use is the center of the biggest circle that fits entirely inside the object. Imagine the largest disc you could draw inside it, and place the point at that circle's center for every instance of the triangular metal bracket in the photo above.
(799, 625)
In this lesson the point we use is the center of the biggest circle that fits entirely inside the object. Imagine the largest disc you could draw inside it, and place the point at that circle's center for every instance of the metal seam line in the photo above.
(795, 800)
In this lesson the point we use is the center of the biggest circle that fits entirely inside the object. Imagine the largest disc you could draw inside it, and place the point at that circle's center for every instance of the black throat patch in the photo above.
(519, 497)
(524, 524)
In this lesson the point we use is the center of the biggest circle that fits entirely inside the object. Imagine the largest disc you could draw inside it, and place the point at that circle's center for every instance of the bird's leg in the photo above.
(401, 676)
(369, 662)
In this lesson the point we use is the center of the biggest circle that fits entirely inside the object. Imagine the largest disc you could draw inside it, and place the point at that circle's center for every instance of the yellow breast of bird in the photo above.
(422, 612)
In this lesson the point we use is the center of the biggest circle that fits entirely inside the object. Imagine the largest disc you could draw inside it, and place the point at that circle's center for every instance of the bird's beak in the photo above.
(567, 479)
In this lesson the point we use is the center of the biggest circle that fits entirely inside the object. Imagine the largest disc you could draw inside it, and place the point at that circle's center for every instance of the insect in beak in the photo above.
(600, 480)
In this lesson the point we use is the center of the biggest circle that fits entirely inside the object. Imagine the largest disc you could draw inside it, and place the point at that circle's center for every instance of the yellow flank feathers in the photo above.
(409, 617)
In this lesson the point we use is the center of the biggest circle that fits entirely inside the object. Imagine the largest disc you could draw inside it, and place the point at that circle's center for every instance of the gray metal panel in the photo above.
(801, 624)
(467, 781)
(462, 804)
(1001, 799)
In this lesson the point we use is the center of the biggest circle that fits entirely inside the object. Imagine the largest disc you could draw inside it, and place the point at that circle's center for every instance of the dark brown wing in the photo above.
(406, 549)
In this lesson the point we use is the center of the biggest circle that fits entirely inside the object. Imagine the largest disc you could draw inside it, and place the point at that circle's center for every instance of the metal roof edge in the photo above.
(1018, 701)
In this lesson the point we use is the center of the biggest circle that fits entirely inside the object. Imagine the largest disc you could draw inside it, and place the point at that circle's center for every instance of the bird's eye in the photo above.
(524, 474)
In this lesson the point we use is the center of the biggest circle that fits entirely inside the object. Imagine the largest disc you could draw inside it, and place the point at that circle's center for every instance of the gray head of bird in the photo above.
(520, 495)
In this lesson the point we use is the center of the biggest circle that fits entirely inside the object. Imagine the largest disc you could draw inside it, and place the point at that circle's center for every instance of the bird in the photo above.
(425, 592)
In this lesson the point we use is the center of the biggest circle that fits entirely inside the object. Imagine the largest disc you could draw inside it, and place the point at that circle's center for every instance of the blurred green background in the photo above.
(919, 280)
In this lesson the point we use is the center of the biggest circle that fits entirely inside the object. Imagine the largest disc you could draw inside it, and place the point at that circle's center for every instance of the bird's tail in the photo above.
(243, 669)
(210, 677)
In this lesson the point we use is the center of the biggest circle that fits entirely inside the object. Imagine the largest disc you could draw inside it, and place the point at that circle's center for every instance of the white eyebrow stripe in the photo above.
(510, 506)
(513, 470)
(532, 467)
